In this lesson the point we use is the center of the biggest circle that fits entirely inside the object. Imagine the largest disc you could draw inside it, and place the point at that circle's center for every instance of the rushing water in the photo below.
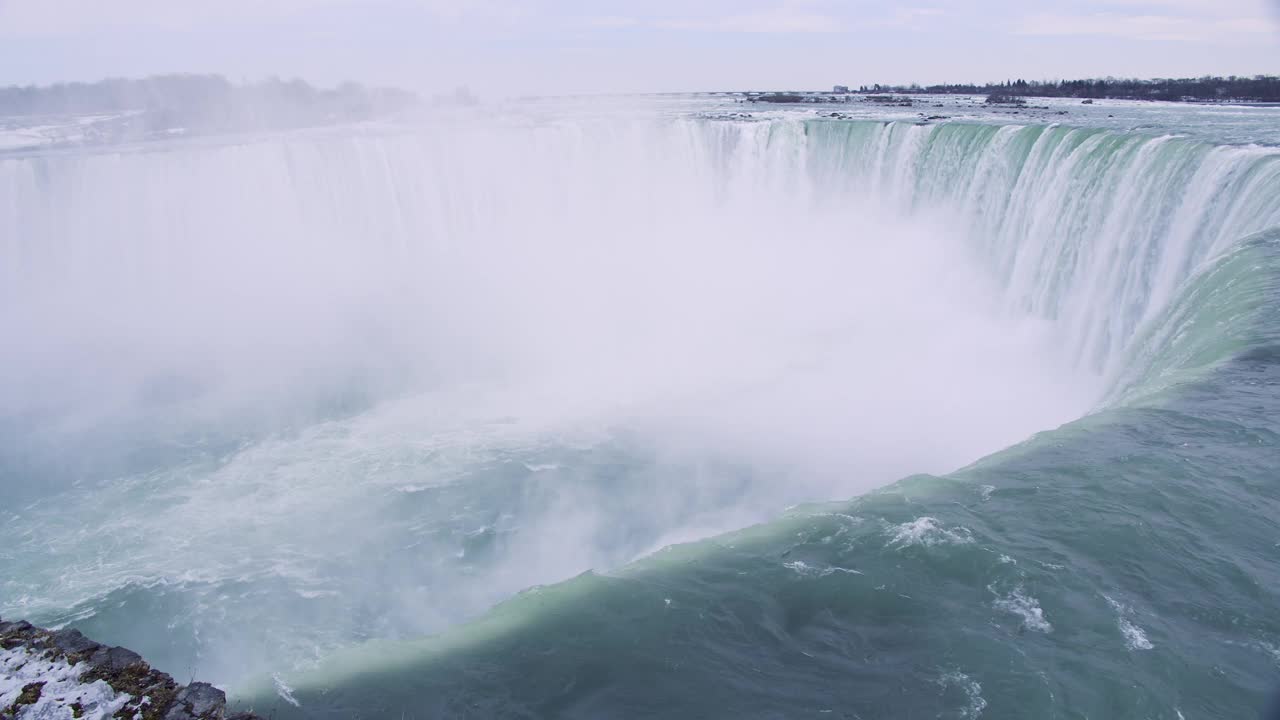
(557, 414)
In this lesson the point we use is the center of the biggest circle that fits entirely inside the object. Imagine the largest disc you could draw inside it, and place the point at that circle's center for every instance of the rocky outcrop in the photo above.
(785, 98)
(62, 673)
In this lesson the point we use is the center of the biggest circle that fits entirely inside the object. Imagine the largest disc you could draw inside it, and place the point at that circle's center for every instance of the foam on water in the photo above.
(1019, 603)
(927, 532)
(1134, 637)
(971, 689)
(804, 569)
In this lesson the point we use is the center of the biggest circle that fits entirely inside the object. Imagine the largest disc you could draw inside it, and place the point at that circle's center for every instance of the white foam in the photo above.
(803, 568)
(799, 566)
(850, 519)
(971, 688)
(1024, 606)
(62, 687)
(1134, 637)
(1272, 650)
(927, 532)
(313, 594)
(284, 691)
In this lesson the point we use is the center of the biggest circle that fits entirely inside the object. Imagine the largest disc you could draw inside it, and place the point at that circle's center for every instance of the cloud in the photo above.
(69, 17)
(1171, 20)
(785, 18)
(1150, 26)
(910, 17)
(611, 22)
(1194, 7)
(61, 17)
(543, 45)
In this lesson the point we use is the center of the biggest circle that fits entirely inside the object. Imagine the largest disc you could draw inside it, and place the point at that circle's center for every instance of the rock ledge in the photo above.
(48, 674)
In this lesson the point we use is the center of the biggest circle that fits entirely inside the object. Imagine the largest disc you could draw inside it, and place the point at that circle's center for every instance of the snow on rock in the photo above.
(34, 687)
(47, 675)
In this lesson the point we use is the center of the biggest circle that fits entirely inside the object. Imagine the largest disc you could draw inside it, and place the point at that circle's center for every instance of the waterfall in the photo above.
(522, 350)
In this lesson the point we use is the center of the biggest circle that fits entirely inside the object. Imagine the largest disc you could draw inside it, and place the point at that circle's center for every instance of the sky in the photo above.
(500, 48)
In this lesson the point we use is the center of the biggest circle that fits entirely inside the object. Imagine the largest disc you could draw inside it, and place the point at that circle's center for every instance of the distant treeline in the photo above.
(205, 102)
(1260, 88)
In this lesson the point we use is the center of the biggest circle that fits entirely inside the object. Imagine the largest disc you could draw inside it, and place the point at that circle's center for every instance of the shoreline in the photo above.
(826, 96)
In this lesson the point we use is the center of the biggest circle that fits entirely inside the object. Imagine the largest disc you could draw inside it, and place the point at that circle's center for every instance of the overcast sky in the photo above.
(515, 47)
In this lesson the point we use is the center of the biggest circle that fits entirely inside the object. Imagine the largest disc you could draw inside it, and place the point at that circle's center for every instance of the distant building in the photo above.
(840, 89)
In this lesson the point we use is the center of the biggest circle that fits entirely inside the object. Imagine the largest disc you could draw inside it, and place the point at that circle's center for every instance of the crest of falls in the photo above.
(495, 355)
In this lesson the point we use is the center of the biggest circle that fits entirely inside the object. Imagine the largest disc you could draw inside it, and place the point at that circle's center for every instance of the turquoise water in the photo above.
(560, 416)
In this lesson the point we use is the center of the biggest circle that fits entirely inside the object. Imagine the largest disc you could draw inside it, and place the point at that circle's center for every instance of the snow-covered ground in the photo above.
(24, 133)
